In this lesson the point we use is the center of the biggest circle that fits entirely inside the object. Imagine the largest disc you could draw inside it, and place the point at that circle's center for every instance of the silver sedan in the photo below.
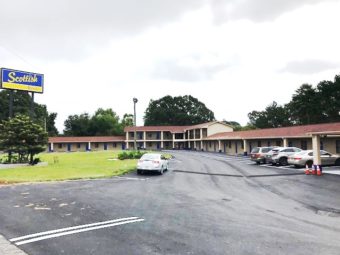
(306, 158)
(152, 162)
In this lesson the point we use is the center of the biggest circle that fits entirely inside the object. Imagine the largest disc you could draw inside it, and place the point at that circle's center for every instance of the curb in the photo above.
(9, 249)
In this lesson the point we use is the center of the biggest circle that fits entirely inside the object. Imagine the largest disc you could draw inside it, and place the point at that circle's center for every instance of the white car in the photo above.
(152, 162)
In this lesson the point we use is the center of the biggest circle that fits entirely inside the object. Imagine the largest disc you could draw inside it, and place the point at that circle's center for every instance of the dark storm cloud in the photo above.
(309, 66)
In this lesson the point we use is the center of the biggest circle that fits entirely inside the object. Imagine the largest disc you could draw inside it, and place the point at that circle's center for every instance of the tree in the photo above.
(328, 99)
(127, 120)
(181, 110)
(77, 125)
(304, 108)
(104, 122)
(21, 135)
(272, 117)
(22, 105)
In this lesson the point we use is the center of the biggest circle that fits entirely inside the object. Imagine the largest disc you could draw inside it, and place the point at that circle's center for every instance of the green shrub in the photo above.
(123, 155)
(130, 155)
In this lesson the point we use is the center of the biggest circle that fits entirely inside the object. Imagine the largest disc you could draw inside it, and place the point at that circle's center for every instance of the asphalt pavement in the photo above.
(205, 204)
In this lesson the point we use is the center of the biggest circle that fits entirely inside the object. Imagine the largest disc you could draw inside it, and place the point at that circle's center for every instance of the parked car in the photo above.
(280, 155)
(258, 154)
(152, 162)
(306, 158)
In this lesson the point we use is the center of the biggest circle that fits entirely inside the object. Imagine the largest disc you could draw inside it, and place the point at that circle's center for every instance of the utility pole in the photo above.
(135, 100)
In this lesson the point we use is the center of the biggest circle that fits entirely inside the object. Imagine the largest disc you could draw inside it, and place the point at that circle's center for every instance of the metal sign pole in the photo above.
(32, 106)
(10, 103)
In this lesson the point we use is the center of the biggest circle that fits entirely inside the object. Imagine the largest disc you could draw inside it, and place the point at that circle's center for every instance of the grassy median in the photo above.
(69, 166)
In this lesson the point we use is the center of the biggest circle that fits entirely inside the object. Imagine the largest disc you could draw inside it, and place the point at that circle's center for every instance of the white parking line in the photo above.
(73, 230)
(131, 178)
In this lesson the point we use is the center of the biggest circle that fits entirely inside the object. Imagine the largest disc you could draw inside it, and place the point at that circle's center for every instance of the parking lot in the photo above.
(206, 203)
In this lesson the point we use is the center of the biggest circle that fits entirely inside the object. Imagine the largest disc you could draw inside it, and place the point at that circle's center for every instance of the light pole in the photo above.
(135, 100)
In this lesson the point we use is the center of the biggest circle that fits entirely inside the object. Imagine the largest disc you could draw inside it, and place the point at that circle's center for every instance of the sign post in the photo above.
(21, 80)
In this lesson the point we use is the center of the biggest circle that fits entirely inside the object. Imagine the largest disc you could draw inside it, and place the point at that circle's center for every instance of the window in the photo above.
(242, 145)
(337, 146)
(210, 144)
(78, 145)
(278, 143)
(60, 145)
(229, 144)
(321, 145)
(304, 144)
(290, 144)
(96, 145)
(259, 144)
(150, 144)
(149, 135)
(114, 145)
(132, 134)
(268, 143)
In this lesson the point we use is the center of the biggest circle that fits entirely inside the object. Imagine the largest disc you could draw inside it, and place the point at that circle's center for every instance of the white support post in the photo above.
(194, 139)
(316, 150)
(127, 140)
(219, 146)
(173, 141)
(285, 142)
(162, 143)
(144, 138)
(89, 146)
(245, 147)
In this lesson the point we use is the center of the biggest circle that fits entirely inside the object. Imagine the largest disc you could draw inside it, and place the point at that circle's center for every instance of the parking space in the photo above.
(267, 168)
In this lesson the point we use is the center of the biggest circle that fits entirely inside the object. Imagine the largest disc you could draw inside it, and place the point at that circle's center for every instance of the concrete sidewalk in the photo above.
(6, 248)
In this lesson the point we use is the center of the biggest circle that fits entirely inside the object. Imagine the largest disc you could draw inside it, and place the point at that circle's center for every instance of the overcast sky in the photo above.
(234, 55)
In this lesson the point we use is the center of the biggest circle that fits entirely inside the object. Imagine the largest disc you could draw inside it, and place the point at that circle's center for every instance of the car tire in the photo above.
(283, 161)
(296, 166)
(337, 162)
(139, 171)
(264, 161)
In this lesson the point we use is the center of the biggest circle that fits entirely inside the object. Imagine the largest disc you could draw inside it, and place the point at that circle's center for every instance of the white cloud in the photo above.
(234, 67)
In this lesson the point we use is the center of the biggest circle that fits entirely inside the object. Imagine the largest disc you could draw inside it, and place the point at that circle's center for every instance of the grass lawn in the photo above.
(68, 166)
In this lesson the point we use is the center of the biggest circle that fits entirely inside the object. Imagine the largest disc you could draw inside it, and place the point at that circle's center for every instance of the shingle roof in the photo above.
(86, 139)
(172, 129)
(284, 132)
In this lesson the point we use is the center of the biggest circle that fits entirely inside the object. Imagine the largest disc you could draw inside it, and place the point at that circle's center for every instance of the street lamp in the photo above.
(135, 100)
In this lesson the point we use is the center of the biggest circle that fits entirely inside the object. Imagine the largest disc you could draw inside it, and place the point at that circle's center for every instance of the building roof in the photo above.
(86, 139)
(172, 129)
(284, 132)
(206, 125)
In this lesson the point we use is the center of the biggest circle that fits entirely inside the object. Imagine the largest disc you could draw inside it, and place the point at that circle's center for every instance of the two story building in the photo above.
(212, 136)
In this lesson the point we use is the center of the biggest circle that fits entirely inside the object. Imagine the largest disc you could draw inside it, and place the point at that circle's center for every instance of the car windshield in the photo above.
(255, 150)
(266, 149)
(150, 156)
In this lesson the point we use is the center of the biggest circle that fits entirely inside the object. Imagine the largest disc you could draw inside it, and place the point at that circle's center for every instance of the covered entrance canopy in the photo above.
(316, 143)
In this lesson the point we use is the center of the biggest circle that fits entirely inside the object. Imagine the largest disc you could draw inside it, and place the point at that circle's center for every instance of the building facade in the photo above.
(212, 136)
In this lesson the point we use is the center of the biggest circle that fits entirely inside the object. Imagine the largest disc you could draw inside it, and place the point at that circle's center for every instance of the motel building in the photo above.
(212, 137)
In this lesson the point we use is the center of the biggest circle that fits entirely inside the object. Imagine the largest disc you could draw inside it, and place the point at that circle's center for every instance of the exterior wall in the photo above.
(218, 128)
(152, 145)
(211, 146)
(153, 136)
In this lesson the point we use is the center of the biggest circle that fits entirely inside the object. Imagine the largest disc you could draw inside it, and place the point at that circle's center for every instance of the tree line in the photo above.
(309, 105)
